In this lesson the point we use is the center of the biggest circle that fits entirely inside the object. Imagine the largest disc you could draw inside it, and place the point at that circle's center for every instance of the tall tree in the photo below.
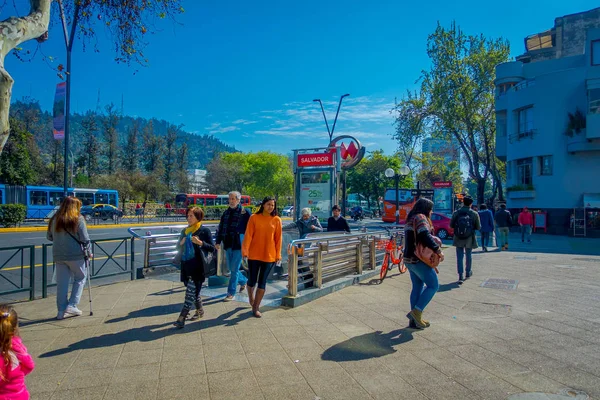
(226, 172)
(182, 181)
(129, 23)
(434, 168)
(460, 88)
(170, 139)
(16, 166)
(111, 137)
(92, 146)
(13, 32)
(152, 149)
(131, 152)
(412, 117)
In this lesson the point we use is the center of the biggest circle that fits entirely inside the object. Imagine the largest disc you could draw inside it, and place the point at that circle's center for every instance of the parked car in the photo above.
(102, 211)
(441, 225)
(368, 213)
(288, 211)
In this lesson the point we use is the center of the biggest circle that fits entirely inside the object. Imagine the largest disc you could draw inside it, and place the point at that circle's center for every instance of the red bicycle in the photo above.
(393, 255)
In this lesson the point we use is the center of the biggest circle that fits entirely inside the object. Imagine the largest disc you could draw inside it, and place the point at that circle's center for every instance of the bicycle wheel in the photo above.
(384, 267)
(402, 267)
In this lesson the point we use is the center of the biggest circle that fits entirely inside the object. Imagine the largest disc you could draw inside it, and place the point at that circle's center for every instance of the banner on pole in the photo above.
(58, 126)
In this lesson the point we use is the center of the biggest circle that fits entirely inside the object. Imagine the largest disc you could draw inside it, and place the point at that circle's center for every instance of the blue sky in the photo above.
(247, 72)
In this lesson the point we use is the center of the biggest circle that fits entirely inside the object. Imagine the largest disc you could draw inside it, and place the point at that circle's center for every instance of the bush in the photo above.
(12, 214)
(519, 188)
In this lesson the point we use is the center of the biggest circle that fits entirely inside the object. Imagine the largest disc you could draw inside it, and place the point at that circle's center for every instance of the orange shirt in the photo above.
(262, 240)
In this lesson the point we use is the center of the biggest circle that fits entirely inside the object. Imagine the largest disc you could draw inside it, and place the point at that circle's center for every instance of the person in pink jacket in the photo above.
(526, 222)
(16, 362)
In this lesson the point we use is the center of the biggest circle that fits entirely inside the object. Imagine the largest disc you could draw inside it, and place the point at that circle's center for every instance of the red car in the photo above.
(441, 225)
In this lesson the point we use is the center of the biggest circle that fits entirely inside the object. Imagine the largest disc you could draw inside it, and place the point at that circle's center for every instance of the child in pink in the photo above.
(15, 362)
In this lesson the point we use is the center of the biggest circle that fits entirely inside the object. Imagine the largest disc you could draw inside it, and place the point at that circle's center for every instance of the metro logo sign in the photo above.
(351, 151)
(315, 160)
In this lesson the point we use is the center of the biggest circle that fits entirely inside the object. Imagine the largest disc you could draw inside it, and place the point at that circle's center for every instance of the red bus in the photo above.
(184, 200)
(406, 202)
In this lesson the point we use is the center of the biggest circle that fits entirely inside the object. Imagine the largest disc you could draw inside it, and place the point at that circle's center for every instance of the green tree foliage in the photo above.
(412, 117)
(434, 168)
(456, 98)
(131, 152)
(255, 174)
(152, 150)
(16, 166)
(368, 177)
(111, 138)
(169, 154)
(89, 129)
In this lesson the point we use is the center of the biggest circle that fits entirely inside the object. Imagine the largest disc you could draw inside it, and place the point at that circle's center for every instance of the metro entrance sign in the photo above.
(446, 184)
(316, 160)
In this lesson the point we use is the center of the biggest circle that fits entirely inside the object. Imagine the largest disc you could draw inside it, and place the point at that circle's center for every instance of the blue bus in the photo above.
(41, 201)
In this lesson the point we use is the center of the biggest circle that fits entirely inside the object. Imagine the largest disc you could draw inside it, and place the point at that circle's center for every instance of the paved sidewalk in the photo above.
(484, 343)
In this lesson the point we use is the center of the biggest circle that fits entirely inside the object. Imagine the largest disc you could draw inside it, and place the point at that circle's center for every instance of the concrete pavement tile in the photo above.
(488, 386)
(350, 391)
(532, 382)
(140, 358)
(298, 391)
(134, 375)
(37, 383)
(40, 396)
(97, 361)
(575, 378)
(278, 375)
(267, 357)
(177, 368)
(296, 342)
(89, 393)
(219, 337)
(220, 384)
(289, 332)
(192, 387)
(146, 390)
(380, 381)
(56, 363)
(305, 353)
(182, 353)
(185, 339)
(488, 360)
(281, 322)
(214, 349)
(410, 395)
(226, 362)
(447, 390)
(137, 345)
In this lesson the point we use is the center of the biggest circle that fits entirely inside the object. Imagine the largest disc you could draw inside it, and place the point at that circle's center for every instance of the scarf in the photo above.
(188, 247)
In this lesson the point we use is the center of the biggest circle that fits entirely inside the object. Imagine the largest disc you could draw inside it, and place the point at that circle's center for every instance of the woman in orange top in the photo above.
(262, 248)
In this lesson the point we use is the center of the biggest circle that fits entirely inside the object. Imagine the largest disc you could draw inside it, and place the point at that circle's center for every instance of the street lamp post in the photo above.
(391, 173)
(336, 115)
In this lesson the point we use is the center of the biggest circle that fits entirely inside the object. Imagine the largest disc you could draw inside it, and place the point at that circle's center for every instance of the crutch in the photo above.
(89, 279)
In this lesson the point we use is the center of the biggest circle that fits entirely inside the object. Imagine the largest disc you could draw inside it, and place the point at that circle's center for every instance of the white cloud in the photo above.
(243, 122)
(224, 129)
(215, 125)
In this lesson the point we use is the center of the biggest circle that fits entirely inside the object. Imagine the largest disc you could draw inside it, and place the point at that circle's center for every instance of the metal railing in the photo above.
(322, 258)
(18, 281)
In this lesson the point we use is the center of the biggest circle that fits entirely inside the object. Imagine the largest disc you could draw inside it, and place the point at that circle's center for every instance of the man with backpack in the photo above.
(465, 222)
(503, 222)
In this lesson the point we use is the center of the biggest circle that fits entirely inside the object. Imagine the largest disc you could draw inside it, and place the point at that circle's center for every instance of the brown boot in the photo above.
(427, 324)
(255, 307)
(416, 316)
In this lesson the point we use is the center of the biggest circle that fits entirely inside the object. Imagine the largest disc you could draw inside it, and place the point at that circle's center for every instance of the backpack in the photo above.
(464, 225)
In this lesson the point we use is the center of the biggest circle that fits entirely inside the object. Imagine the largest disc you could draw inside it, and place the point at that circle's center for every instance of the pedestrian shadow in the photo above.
(446, 287)
(152, 332)
(157, 311)
(370, 345)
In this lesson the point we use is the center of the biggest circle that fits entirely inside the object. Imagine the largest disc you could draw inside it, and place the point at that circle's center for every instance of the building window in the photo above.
(596, 52)
(503, 88)
(546, 165)
(524, 171)
(525, 120)
(594, 99)
(501, 123)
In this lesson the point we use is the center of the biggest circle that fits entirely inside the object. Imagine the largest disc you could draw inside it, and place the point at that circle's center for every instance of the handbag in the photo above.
(424, 253)
(209, 261)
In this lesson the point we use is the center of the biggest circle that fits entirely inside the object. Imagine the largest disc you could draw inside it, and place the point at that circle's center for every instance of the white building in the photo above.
(552, 163)
(197, 179)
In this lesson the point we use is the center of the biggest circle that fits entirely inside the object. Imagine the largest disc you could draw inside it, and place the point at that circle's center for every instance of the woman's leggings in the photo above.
(192, 296)
(259, 271)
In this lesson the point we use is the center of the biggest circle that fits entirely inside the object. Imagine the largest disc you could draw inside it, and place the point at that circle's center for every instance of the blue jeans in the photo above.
(526, 231)
(234, 261)
(485, 239)
(460, 255)
(424, 285)
(65, 270)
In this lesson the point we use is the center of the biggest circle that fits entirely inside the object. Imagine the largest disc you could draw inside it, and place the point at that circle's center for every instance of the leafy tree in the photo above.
(131, 152)
(170, 154)
(412, 118)
(111, 137)
(459, 88)
(92, 146)
(227, 172)
(368, 177)
(152, 149)
(16, 167)
(270, 175)
(129, 23)
(182, 181)
(435, 169)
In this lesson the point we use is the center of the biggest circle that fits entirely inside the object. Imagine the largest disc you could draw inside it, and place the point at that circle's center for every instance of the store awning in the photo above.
(591, 200)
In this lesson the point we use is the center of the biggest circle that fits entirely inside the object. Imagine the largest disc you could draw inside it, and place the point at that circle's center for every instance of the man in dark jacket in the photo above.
(465, 222)
(487, 225)
(231, 233)
(503, 222)
(337, 223)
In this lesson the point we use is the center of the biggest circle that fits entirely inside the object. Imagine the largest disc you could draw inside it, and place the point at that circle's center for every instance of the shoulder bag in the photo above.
(424, 253)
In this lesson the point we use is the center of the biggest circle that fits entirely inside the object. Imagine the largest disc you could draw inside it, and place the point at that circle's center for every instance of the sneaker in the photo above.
(461, 280)
(73, 310)
(469, 274)
(228, 298)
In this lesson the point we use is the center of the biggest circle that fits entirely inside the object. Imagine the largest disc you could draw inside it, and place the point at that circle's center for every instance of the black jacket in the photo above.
(194, 269)
(503, 219)
(341, 225)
